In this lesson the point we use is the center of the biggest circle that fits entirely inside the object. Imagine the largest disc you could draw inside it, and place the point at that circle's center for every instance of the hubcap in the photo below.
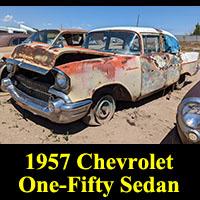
(105, 109)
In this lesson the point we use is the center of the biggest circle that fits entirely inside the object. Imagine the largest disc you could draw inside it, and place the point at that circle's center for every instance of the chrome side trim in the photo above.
(27, 66)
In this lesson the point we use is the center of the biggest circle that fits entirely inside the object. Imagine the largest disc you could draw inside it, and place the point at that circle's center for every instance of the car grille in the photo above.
(32, 88)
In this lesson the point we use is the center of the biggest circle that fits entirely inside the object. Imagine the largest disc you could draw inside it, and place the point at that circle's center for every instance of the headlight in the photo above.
(191, 115)
(62, 81)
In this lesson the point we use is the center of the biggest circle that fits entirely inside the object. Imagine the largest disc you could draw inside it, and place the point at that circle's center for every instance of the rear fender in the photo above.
(189, 63)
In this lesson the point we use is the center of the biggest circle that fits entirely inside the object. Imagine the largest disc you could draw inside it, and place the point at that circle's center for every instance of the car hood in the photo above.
(45, 56)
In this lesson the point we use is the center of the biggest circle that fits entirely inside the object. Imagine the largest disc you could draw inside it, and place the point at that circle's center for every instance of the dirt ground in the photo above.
(152, 120)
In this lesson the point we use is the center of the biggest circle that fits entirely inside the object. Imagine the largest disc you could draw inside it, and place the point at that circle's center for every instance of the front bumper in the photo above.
(61, 110)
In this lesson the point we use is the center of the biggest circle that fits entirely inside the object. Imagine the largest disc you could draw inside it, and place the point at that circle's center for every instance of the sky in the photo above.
(178, 20)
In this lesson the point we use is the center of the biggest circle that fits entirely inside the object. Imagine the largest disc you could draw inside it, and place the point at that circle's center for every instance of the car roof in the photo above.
(135, 29)
(13, 34)
(73, 30)
(67, 30)
(6, 37)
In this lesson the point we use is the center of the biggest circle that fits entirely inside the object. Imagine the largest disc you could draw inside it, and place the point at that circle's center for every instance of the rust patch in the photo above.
(108, 69)
(36, 54)
(129, 69)
(107, 65)
(160, 31)
(128, 58)
(107, 59)
(94, 61)
(65, 66)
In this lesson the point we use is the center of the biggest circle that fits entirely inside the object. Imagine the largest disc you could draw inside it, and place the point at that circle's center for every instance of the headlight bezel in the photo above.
(10, 68)
(184, 127)
(62, 81)
(193, 103)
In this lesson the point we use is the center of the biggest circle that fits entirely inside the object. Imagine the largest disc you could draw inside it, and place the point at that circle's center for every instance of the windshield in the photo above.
(45, 36)
(114, 42)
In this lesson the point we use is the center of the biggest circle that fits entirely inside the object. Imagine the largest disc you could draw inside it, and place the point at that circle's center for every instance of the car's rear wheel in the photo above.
(101, 111)
(180, 83)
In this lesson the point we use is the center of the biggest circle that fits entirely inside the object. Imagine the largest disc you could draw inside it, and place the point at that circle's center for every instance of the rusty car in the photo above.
(188, 116)
(8, 42)
(65, 84)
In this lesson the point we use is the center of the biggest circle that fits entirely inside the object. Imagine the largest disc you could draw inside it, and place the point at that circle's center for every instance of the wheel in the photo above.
(101, 111)
(180, 83)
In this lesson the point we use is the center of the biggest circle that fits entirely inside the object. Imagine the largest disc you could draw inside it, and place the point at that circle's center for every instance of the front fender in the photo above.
(89, 75)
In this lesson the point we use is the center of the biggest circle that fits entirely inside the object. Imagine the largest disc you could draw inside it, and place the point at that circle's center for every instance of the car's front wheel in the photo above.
(101, 111)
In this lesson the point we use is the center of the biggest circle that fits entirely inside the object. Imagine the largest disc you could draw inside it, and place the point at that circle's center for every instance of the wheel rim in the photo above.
(105, 109)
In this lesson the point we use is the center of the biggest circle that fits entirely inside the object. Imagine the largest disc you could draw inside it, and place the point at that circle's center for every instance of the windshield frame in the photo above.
(127, 52)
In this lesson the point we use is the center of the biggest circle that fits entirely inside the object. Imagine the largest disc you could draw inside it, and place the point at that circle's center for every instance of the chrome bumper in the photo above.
(61, 110)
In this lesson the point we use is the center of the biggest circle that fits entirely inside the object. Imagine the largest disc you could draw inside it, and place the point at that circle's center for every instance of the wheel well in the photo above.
(119, 92)
(186, 74)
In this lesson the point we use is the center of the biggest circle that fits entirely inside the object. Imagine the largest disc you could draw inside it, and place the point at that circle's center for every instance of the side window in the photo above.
(17, 41)
(73, 39)
(77, 39)
(21, 40)
(170, 44)
(151, 43)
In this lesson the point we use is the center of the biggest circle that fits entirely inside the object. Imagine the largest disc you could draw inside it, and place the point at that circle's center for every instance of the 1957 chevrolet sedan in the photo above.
(65, 84)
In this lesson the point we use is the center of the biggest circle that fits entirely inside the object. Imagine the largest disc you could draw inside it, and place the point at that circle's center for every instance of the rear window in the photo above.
(151, 43)
(170, 44)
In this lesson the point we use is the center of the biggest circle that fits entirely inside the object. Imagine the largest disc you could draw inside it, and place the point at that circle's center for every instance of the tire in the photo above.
(180, 83)
(101, 111)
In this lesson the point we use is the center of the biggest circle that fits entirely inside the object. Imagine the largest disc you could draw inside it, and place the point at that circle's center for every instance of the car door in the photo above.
(171, 49)
(153, 64)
